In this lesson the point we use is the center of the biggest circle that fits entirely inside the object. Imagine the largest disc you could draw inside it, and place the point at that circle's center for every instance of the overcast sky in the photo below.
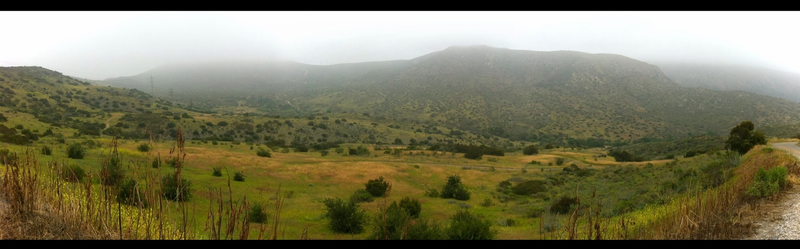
(99, 45)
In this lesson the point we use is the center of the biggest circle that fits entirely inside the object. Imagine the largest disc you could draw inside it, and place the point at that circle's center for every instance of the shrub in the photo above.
(6, 155)
(171, 191)
(75, 151)
(155, 163)
(768, 182)
(473, 154)
(257, 214)
(238, 176)
(504, 187)
(534, 212)
(323, 152)
(217, 171)
(377, 187)
(361, 196)
(560, 161)
(72, 173)
(453, 189)
(529, 187)
(563, 205)
(530, 150)
(130, 193)
(47, 151)
(487, 202)
(395, 223)
(346, 217)
(467, 226)
(411, 206)
(143, 147)
(263, 153)
(432, 193)
(172, 162)
(112, 172)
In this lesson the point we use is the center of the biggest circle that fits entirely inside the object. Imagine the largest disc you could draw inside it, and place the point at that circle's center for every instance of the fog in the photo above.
(99, 45)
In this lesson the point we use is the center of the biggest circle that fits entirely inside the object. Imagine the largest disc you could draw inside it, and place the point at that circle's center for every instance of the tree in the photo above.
(742, 138)
(377, 187)
(454, 189)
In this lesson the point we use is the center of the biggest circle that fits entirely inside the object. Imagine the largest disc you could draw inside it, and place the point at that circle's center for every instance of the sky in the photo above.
(107, 44)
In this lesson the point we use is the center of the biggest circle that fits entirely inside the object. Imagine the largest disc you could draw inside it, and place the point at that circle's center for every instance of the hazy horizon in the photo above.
(100, 45)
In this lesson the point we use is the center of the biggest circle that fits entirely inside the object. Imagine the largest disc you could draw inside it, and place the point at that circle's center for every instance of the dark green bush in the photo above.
(473, 154)
(72, 173)
(453, 189)
(257, 214)
(75, 151)
(377, 187)
(47, 151)
(217, 171)
(143, 147)
(6, 155)
(560, 161)
(361, 195)
(467, 226)
(155, 163)
(112, 172)
(346, 216)
(529, 187)
(563, 205)
(263, 153)
(395, 223)
(130, 193)
(171, 190)
(411, 206)
(530, 150)
(238, 176)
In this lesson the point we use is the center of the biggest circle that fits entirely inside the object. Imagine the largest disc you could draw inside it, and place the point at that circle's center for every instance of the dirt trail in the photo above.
(780, 219)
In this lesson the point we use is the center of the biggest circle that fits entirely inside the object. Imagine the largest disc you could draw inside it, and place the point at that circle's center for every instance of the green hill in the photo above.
(522, 95)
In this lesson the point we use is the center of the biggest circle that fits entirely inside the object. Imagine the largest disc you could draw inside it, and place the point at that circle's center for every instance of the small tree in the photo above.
(377, 187)
(453, 189)
(742, 138)
(346, 216)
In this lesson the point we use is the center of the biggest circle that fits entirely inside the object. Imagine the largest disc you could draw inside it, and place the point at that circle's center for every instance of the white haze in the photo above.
(99, 45)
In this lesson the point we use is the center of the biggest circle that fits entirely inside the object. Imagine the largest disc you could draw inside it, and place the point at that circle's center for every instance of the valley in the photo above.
(546, 145)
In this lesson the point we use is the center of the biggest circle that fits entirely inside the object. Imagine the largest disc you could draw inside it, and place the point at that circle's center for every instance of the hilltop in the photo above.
(550, 97)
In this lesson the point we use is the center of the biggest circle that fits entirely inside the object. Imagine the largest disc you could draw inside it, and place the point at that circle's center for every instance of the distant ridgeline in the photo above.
(562, 97)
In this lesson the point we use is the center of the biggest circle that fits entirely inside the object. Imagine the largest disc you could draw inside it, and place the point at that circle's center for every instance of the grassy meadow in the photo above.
(302, 180)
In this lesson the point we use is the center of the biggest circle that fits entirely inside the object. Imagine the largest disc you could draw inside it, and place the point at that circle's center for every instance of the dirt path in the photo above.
(113, 115)
(780, 219)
